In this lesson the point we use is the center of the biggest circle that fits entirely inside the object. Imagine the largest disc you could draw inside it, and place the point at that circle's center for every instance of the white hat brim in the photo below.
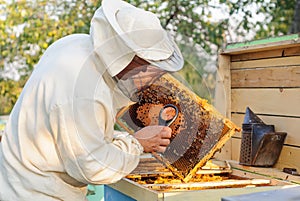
(165, 55)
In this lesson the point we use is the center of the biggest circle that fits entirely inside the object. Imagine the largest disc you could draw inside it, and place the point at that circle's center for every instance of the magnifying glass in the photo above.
(167, 115)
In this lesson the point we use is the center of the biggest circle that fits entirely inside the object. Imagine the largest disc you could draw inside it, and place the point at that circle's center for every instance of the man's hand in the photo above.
(154, 138)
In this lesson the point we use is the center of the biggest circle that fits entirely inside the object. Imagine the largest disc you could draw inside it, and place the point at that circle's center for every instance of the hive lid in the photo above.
(197, 133)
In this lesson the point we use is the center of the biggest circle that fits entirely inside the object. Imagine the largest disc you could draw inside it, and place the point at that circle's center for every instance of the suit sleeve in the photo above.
(85, 144)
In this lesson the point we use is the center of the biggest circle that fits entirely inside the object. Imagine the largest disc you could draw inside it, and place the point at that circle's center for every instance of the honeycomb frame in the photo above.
(209, 134)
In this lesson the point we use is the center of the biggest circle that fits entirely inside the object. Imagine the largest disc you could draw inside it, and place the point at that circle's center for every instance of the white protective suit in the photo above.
(59, 136)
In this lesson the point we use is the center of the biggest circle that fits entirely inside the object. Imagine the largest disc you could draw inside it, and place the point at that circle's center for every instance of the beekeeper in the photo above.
(60, 135)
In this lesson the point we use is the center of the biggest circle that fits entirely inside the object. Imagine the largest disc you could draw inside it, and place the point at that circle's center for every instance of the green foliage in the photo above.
(9, 91)
(190, 19)
(27, 28)
(201, 81)
(278, 16)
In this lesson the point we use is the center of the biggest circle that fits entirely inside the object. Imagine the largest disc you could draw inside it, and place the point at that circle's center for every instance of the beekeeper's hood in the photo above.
(120, 31)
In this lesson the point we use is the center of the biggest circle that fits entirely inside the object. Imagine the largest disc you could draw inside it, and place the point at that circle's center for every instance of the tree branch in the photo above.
(173, 15)
(295, 26)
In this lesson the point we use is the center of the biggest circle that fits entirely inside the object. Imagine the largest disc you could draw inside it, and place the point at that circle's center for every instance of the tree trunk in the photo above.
(295, 26)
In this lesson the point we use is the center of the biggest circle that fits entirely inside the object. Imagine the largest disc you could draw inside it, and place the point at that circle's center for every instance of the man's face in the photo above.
(136, 66)
(137, 75)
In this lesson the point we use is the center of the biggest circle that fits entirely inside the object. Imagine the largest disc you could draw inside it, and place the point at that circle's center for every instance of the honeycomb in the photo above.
(197, 133)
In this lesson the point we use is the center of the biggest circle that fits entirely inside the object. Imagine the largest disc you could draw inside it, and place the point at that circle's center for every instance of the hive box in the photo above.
(265, 76)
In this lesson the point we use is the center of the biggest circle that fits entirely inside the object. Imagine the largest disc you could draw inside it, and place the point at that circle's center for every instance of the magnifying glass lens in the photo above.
(168, 113)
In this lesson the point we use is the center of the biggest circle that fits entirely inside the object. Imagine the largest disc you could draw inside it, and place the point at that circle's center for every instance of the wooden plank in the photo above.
(223, 85)
(136, 191)
(288, 76)
(283, 61)
(275, 173)
(267, 101)
(284, 124)
(225, 152)
(283, 52)
(214, 194)
(238, 119)
(257, 55)
(274, 46)
(262, 45)
(280, 194)
(291, 38)
(289, 157)
(223, 99)
(210, 184)
(245, 172)
(236, 148)
(294, 51)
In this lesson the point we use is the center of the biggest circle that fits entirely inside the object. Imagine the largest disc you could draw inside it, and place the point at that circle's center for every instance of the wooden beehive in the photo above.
(265, 76)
